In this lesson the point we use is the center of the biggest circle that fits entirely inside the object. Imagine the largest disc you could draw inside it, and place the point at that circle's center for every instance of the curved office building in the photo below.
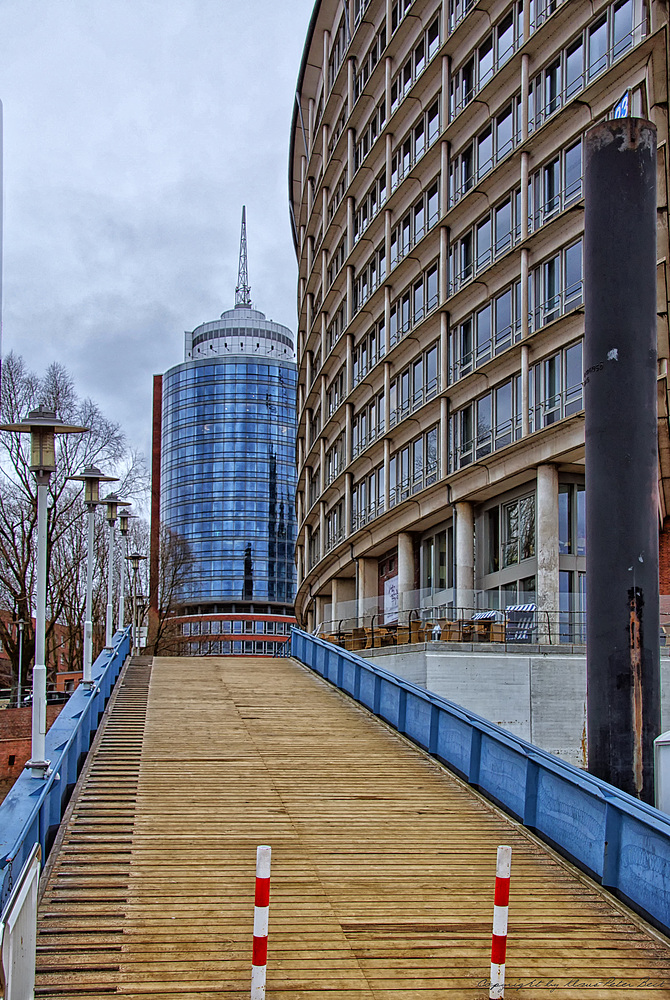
(435, 188)
(228, 480)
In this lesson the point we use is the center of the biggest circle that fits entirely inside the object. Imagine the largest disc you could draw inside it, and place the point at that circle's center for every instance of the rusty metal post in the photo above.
(620, 371)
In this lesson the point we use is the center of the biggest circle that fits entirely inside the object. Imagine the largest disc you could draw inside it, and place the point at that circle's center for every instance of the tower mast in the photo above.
(243, 290)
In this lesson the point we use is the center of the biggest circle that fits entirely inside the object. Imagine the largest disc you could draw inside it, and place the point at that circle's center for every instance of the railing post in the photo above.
(612, 847)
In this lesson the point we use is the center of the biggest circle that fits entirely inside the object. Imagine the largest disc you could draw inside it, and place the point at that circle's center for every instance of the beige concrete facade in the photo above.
(435, 185)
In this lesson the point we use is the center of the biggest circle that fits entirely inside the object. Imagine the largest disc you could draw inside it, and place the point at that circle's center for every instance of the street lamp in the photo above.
(20, 625)
(42, 424)
(91, 477)
(112, 502)
(124, 517)
(135, 559)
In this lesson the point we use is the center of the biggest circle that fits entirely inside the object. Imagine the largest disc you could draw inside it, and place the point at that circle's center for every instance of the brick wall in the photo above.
(664, 558)
(15, 735)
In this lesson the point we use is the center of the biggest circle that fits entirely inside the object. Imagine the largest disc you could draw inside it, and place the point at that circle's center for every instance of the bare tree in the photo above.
(174, 569)
(104, 444)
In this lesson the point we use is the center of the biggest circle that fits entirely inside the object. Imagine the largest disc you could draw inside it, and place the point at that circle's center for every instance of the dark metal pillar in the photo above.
(620, 370)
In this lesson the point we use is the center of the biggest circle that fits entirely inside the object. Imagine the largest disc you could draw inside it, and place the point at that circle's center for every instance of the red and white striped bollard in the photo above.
(500, 912)
(259, 958)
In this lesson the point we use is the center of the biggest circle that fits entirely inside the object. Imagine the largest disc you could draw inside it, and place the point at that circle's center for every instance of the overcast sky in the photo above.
(134, 131)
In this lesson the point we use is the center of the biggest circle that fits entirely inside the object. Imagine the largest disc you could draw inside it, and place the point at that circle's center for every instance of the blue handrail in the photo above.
(622, 843)
(34, 807)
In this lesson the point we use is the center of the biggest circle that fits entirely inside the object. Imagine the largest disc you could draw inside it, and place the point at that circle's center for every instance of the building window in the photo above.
(414, 467)
(368, 425)
(555, 387)
(370, 278)
(416, 385)
(422, 216)
(572, 519)
(416, 62)
(370, 205)
(555, 186)
(594, 50)
(478, 158)
(415, 144)
(367, 499)
(370, 134)
(555, 285)
(414, 304)
(368, 351)
(372, 56)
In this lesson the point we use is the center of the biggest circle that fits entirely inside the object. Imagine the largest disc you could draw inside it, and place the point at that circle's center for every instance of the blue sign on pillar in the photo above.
(622, 109)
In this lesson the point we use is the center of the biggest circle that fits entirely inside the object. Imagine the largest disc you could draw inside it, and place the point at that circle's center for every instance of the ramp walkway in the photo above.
(382, 871)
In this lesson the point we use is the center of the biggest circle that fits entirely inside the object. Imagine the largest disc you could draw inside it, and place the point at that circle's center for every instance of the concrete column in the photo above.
(465, 556)
(387, 467)
(308, 370)
(348, 487)
(350, 223)
(299, 564)
(350, 364)
(322, 463)
(387, 397)
(319, 607)
(444, 178)
(351, 149)
(367, 589)
(546, 520)
(387, 238)
(322, 529)
(406, 595)
(444, 117)
(387, 319)
(444, 351)
(388, 72)
(344, 599)
(444, 437)
(389, 157)
(348, 436)
(443, 265)
(310, 619)
(310, 303)
(351, 73)
(525, 84)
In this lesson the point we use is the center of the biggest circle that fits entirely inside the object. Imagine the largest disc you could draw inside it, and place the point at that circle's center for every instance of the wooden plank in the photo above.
(383, 863)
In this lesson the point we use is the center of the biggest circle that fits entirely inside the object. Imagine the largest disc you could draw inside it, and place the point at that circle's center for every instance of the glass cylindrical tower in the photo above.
(228, 480)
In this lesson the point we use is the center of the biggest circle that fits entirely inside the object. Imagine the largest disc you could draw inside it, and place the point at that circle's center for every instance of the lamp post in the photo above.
(91, 477)
(42, 424)
(135, 559)
(20, 625)
(124, 517)
(112, 502)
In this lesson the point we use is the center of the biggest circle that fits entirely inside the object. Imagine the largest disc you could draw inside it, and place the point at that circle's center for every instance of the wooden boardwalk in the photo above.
(382, 871)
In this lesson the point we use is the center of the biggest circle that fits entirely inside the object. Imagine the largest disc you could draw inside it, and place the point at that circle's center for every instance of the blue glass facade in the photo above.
(228, 464)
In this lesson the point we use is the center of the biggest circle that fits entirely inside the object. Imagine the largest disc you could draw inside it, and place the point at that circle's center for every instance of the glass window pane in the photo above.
(484, 153)
(573, 173)
(564, 534)
(485, 61)
(597, 56)
(484, 334)
(574, 68)
(503, 221)
(504, 132)
(623, 27)
(484, 243)
(503, 321)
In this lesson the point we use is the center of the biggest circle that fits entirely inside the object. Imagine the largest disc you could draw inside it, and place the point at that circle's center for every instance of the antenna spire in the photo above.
(243, 290)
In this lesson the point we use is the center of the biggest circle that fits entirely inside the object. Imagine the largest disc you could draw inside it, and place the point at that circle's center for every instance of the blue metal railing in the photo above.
(619, 841)
(34, 807)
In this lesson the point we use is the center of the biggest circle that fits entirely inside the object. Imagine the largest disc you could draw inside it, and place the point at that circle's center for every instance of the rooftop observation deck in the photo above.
(382, 869)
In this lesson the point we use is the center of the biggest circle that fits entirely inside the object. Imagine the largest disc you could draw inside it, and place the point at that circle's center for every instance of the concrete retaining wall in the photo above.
(539, 697)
